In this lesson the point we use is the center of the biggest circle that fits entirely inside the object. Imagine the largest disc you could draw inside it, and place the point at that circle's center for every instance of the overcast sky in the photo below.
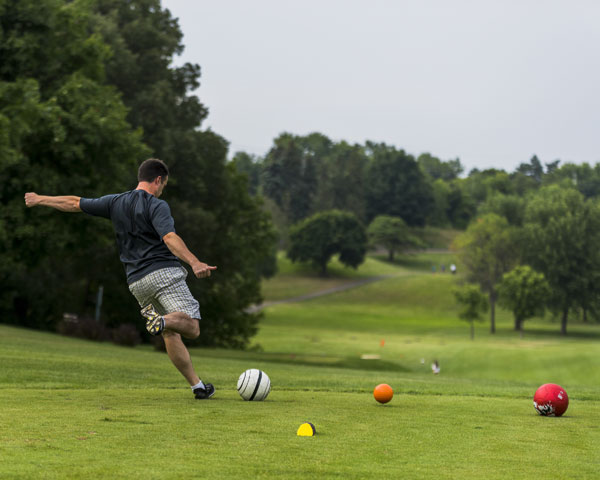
(489, 82)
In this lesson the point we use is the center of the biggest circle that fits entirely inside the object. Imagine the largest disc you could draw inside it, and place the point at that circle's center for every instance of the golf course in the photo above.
(81, 409)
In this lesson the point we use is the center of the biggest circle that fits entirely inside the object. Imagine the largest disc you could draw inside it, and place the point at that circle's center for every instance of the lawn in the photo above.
(78, 409)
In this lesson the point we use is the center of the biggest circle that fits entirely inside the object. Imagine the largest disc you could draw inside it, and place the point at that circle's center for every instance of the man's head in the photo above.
(154, 172)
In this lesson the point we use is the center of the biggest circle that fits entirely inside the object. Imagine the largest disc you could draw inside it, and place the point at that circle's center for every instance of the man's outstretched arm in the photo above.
(178, 247)
(67, 203)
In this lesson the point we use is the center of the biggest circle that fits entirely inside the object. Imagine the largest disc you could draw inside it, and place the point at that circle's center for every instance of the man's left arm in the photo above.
(65, 203)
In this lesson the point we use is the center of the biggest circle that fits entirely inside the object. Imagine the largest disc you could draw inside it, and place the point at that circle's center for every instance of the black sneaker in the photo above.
(155, 324)
(204, 393)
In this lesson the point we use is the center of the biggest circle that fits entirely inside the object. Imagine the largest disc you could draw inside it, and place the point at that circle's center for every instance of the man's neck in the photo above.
(147, 187)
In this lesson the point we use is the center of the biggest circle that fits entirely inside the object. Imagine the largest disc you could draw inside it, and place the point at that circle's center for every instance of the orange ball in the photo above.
(383, 393)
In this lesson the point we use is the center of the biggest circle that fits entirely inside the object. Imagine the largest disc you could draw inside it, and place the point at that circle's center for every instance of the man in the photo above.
(149, 249)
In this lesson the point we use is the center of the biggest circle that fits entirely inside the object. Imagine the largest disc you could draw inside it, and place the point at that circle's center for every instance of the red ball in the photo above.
(550, 400)
(383, 393)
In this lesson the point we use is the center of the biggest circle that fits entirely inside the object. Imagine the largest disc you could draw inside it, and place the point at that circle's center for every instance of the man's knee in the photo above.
(195, 328)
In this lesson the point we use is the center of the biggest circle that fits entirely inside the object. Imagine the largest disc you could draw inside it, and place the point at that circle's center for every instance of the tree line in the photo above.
(530, 236)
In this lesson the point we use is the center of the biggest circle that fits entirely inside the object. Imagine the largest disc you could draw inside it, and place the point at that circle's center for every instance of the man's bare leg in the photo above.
(180, 356)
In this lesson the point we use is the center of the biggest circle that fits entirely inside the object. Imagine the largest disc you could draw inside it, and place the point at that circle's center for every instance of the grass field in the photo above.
(76, 409)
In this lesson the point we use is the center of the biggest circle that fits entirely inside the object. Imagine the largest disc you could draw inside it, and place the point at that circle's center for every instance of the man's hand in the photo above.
(202, 270)
(32, 199)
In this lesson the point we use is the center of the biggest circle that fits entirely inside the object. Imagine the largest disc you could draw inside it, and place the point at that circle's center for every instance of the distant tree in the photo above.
(511, 207)
(488, 249)
(290, 177)
(524, 292)
(438, 169)
(561, 234)
(317, 238)
(393, 234)
(396, 186)
(250, 166)
(342, 179)
(472, 304)
(533, 169)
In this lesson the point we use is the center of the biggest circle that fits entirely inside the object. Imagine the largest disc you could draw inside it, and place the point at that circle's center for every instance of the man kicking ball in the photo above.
(149, 249)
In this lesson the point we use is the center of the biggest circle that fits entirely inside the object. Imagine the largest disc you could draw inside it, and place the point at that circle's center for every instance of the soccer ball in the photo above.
(550, 400)
(383, 393)
(254, 385)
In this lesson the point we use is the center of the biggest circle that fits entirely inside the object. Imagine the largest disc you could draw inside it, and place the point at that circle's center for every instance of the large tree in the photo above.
(213, 210)
(561, 238)
(63, 132)
(488, 249)
(290, 176)
(393, 234)
(317, 238)
(524, 292)
(396, 186)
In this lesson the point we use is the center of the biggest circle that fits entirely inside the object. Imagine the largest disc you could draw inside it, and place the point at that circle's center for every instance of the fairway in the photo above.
(77, 409)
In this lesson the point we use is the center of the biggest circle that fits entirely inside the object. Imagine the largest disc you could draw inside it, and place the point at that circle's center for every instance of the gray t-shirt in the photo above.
(141, 221)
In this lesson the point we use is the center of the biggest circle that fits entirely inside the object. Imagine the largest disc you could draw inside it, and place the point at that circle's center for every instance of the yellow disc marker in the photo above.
(307, 430)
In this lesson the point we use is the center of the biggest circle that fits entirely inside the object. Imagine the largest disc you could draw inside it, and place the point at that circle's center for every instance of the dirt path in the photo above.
(320, 293)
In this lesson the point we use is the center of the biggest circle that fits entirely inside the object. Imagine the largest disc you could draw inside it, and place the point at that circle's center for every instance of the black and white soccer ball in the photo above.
(254, 385)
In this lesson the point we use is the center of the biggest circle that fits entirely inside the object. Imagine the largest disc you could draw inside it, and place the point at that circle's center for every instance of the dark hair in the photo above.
(152, 168)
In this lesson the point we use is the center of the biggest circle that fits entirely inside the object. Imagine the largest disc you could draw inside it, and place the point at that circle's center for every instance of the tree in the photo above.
(250, 166)
(437, 169)
(290, 177)
(317, 238)
(341, 179)
(396, 186)
(524, 292)
(561, 234)
(488, 249)
(393, 234)
(511, 207)
(472, 304)
(209, 198)
(63, 132)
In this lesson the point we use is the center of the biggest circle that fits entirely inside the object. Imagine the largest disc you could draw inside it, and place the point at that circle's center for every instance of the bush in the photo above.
(126, 335)
(84, 327)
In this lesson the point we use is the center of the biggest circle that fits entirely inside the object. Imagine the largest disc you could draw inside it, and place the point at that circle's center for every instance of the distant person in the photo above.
(433, 269)
(435, 367)
(149, 249)
(453, 269)
(443, 268)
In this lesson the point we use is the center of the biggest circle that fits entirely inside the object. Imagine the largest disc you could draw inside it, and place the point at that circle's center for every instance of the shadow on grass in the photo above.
(351, 363)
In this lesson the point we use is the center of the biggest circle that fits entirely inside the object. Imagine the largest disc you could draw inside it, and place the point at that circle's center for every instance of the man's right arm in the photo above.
(67, 203)
(178, 247)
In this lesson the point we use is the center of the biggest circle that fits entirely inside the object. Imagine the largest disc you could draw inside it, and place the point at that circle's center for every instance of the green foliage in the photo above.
(74, 77)
(488, 249)
(63, 133)
(317, 238)
(439, 170)
(342, 179)
(524, 292)
(511, 207)
(396, 186)
(214, 212)
(290, 177)
(393, 234)
(248, 165)
(472, 304)
(561, 235)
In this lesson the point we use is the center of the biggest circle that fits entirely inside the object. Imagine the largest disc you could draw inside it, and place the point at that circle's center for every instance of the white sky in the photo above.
(490, 82)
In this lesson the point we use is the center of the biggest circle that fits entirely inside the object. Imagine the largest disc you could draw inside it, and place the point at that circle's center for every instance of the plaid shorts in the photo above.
(167, 291)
